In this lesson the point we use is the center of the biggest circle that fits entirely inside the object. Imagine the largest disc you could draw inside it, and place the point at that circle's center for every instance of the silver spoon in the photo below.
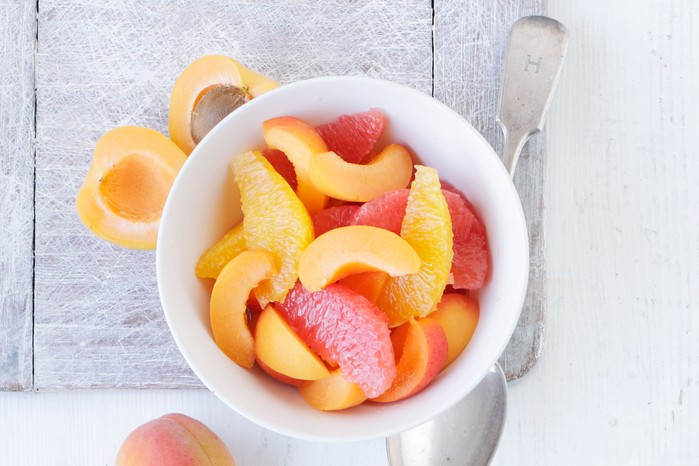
(469, 432)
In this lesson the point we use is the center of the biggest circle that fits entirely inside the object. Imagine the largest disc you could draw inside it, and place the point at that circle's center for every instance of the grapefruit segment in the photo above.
(274, 220)
(343, 327)
(353, 136)
(333, 217)
(282, 165)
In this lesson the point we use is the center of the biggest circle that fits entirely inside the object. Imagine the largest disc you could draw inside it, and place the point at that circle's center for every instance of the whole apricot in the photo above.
(175, 440)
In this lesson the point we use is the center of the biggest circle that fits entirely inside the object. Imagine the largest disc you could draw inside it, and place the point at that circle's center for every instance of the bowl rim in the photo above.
(200, 150)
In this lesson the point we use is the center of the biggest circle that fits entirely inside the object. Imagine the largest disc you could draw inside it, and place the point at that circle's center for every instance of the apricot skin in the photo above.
(353, 249)
(458, 315)
(422, 358)
(299, 141)
(228, 303)
(391, 169)
(175, 440)
(124, 192)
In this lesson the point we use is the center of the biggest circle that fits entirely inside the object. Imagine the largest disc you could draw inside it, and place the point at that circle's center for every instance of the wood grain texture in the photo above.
(17, 42)
(470, 39)
(106, 64)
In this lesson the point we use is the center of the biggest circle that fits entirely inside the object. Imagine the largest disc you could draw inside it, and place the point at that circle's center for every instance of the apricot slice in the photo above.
(217, 256)
(285, 379)
(458, 315)
(422, 358)
(274, 220)
(367, 284)
(228, 297)
(299, 141)
(208, 89)
(124, 192)
(279, 347)
(333, 393)
(357, 248)
(427, 228)
(391, 169)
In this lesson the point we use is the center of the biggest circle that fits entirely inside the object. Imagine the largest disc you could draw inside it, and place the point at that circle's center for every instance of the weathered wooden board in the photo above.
(98, 320)
(17, 42)
(469, 44)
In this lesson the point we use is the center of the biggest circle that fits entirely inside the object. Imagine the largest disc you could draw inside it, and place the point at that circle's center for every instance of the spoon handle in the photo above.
(535, 55)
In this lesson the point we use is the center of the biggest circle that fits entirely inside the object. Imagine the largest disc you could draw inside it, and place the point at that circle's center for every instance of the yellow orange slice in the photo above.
(217, 256)
(427, 228)
(274, 220)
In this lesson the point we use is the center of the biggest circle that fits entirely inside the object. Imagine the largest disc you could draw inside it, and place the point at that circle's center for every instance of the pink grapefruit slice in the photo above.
(353, 136)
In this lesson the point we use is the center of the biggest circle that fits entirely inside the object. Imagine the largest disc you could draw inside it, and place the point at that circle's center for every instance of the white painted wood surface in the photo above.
(617, 382)
(17, 41)
(98, 321)
(470, 40)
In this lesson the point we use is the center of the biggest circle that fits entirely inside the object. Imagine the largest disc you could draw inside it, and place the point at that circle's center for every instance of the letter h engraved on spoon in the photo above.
(533, 61)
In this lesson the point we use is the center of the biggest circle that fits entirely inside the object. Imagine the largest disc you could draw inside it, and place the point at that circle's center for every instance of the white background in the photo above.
(618, 380)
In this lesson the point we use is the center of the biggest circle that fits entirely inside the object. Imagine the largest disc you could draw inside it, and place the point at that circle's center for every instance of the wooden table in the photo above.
(617, 380)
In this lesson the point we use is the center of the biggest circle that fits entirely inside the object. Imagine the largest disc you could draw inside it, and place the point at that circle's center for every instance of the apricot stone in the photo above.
(228, 303)
(458, 315)
(353, 249)
(230, 84)
(299, 141)
(279, 347)
(421, 359)
(391, 169)
(175, 440)
(124, 192)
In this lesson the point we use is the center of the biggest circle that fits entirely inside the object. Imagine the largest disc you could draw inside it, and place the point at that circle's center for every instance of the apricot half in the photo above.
(279, 347)
(391, 169)
(423, 355)
(299, 141)
(228, 298)
(353, 249)
(124, 192)
(208, 89)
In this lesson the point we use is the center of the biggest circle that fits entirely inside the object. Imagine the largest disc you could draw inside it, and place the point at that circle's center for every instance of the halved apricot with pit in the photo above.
(124, 192)
(210, 88)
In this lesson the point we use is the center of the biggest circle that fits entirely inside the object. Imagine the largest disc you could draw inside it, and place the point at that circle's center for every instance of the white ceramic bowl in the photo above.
(203, 204)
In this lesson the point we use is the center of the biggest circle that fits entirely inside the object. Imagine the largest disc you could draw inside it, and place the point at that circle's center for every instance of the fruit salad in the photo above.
(350, 276)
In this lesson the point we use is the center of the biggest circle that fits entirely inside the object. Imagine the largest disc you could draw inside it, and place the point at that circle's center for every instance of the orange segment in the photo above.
(228, 297)
(274, 220)
(217, 256)
(427, 228)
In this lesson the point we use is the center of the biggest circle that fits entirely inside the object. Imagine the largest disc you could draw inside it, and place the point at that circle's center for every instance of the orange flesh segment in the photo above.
(274, 220)
(228, 298)
(217, 256)
(427, 228)
(352, 249)
(124, 192)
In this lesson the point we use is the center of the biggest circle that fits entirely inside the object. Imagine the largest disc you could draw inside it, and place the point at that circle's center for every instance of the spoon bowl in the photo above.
(466, 434)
